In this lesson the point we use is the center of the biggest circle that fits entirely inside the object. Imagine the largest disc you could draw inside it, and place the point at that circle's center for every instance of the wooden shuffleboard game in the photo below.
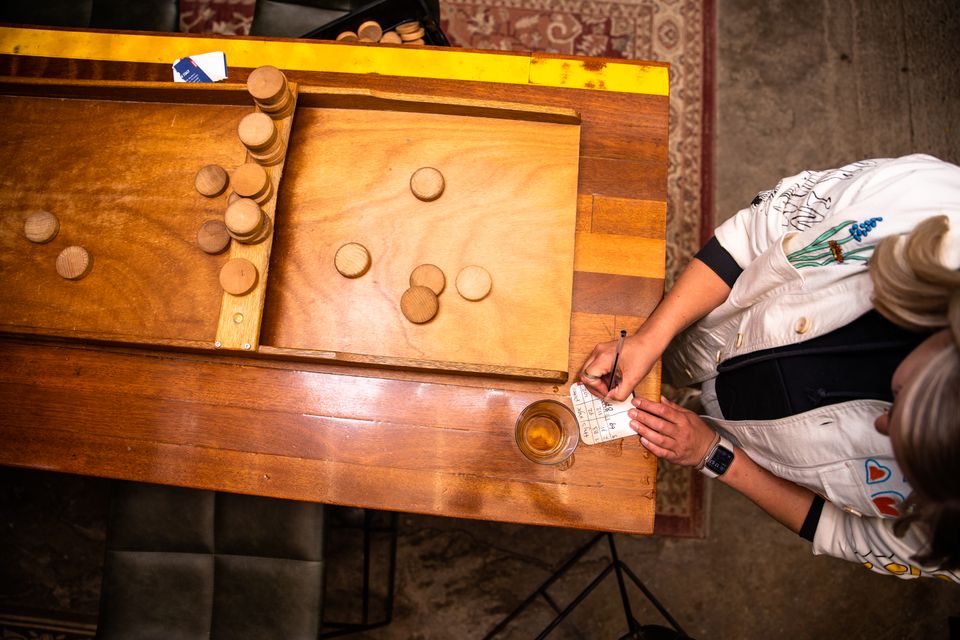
(116, 163)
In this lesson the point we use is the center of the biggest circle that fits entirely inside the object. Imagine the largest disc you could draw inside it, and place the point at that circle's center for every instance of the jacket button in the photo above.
(719, 356)
(850, 509)
(739, 340)
(803, 325)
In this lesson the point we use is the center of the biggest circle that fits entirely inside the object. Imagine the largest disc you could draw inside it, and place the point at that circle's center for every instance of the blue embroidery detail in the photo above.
(888, 493)
(863, 229)
(875, 464)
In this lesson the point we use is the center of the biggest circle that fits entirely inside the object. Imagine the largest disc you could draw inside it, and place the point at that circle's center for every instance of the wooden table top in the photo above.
(357, 435)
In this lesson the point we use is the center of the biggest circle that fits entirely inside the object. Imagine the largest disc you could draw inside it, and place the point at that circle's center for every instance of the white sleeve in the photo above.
(912, 187)
(871, 542)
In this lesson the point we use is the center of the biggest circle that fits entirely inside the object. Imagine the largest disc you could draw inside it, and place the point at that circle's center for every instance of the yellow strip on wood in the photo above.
(619, 255)
(603, 75)
(406, 61)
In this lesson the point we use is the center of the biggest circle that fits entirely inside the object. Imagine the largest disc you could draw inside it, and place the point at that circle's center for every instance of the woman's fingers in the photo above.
(656, 437)
(595, 370)
(671, 412)
(657, 450)
(654, 422)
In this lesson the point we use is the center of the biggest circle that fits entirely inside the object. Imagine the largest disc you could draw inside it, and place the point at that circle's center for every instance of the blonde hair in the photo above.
(914, 290)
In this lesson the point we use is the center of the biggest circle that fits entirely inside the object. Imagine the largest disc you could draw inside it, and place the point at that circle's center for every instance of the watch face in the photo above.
(720, 460)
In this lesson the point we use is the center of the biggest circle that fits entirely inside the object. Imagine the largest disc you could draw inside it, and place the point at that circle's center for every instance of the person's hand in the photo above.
(671, 432)
(636, 360)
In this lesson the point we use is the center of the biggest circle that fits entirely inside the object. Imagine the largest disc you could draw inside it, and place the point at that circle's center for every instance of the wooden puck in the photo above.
(391, 37)
(257, 131)
(243, 218)
(73, 263)
(238, 276)
(266, 84)
(262, 234)
(418, 41)
(211, 180)
(250, 181)
(429, 276)
(474, 282)
(407, 27)
(413, 35)
(370, 31)
(347, 36)
(427, 184)
(419, 304)
(212, 237)
(352, 260)
(269, 157)
(41, 227)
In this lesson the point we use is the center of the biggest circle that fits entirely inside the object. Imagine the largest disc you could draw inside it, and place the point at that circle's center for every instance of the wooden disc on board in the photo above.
(474, 283)
(238, 276)
(352, 260)
(407, 27)
(211, 180)
(266, 84)
(427, 184)
(212, 237)
(73, 263)
(391, 37)
(419, 304)
(250, 180)
(347, 36)
(429, 276)
(370, 31)
(257, 131)
(413, 35)
(41, 227)
(243, 218)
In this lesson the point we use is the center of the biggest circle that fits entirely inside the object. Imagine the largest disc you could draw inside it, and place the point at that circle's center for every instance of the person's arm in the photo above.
(676, 434)
(697, 291)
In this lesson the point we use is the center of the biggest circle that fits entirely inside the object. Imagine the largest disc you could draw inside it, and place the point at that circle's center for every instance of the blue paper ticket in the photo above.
(599, 421)
(202, 67)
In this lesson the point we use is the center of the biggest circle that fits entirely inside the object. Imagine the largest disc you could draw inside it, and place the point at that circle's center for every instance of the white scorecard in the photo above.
(600, 421)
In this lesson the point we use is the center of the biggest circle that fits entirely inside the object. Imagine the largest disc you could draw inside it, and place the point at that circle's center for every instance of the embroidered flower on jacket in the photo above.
(827, 249)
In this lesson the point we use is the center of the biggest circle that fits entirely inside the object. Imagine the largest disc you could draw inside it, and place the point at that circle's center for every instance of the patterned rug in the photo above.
(680, 32)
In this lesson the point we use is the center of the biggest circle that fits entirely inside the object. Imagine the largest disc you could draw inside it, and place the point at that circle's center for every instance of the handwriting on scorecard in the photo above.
(599, 421)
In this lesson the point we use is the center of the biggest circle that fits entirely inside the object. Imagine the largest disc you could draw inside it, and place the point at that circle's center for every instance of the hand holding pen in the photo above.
(606, 378)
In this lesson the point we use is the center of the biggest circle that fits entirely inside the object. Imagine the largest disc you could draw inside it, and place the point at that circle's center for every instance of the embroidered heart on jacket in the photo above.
(887, 505)
(876, 472)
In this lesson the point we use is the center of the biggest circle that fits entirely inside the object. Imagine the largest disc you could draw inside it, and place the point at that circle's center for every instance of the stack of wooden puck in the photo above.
(246, 222)
(260, 136)
(268, 87)
(250, 180)
(409, 32)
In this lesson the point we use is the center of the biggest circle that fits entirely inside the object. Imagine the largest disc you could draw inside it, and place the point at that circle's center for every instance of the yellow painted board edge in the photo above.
(301, 55)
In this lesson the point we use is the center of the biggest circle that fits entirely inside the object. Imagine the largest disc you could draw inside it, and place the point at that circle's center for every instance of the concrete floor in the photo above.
(800, 85)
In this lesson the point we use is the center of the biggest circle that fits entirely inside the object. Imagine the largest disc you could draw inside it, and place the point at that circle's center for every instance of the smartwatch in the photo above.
(718, 459)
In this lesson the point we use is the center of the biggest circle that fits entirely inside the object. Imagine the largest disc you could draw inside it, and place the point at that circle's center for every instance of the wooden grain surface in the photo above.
(362, 435)
(119, 176)
(509, 206)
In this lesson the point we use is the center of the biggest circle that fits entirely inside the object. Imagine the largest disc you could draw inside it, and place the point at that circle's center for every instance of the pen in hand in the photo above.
(616, 359)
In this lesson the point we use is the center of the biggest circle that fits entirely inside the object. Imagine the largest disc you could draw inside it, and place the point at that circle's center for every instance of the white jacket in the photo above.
(803, 247)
